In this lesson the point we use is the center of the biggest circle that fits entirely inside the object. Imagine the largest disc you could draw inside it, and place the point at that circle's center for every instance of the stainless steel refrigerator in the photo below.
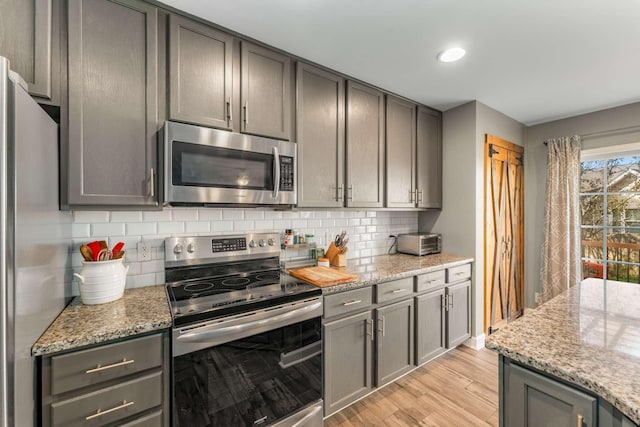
(35, 256)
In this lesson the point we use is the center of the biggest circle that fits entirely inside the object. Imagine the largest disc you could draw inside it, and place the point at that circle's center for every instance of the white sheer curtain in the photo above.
(561, 248)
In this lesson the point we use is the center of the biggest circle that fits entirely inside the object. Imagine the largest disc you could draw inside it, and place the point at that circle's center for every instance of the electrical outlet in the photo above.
(144, 252)
(538, 297)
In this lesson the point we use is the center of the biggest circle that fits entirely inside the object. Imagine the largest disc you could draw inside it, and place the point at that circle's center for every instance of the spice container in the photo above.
(288, 237)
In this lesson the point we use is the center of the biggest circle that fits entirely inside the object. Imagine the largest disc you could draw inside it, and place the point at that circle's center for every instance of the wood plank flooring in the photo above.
(459, 388)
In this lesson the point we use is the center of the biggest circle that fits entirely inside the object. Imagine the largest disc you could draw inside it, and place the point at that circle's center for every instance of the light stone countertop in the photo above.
(382, 268)
(139, 311)
(588, 336)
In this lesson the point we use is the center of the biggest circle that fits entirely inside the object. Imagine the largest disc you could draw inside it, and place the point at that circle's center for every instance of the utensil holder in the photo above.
(101, 281)
(339, 260)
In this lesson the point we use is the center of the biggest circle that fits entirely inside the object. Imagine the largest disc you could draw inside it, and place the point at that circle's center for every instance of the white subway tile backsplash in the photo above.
(90, 217)
(126, 216)
(368, 231)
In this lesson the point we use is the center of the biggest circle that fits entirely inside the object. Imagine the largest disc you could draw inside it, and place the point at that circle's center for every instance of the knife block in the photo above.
(339, 260)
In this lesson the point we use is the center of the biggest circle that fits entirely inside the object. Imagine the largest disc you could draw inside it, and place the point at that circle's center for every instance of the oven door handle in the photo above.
(276, 172)
(217, 334)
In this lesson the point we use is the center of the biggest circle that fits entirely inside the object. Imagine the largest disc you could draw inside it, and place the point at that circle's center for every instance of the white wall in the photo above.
(614, 126)
(461, 220)
(368, 231)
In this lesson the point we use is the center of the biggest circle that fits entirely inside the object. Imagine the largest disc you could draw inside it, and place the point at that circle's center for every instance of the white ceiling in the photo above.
(535, 61)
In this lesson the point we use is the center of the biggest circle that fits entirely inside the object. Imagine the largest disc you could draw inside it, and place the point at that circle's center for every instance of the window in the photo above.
(610, 208)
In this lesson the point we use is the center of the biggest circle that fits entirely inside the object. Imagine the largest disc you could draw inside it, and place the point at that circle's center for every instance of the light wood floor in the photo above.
(459, 388)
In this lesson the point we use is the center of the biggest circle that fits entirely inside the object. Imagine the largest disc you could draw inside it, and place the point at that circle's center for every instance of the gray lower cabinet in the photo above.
(429, 158)
(265, 92)
(348, 360)
(113, 103)
(458, 313)
(394, 341)
(529, 399)
(365, 146)
(430, 325)
(200, 74)
(320, 137)
(123, 383)
(400, 153)
(30, 39)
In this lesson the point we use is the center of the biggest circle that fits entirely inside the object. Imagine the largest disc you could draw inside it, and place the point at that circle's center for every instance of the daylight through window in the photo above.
(610, 208)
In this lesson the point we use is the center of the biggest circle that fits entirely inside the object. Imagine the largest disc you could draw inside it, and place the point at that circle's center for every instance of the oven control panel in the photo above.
(193, 250)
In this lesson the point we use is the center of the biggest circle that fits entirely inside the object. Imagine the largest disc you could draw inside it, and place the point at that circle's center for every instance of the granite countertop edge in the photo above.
(139, 311)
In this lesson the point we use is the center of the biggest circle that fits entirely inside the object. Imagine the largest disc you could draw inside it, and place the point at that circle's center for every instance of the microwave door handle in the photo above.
(276, 172)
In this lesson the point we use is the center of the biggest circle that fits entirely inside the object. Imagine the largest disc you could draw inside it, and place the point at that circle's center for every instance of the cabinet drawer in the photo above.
(456, 274)
(109, 404)
(82, 368)
(393, 290)
(346, 302)
(432, 280)
(154, 419)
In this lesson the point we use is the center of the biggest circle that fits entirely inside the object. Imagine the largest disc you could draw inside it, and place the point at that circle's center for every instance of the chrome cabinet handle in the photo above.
(152, 182)
(369, 323)
(450, 300)
(339, 193)
(412, 195)
(580, 420)
(460, 273)
(246, 111)
(100, 412)
(348, 303)
(397, 291)
(229, 112)
(383, 326)
(114, 365)
(419, 193)
(443, 302)
(350, 190)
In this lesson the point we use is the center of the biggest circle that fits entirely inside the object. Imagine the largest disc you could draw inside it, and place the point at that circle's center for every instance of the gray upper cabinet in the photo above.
(348, 358)
(394, 341)
(320, 137)
(265, 92)
(429, 158)
(530, 399)
(365, 146)
(113, 102)
(29, 38)
(458, 299)
(201, 69)
(430, 325)
(401, 153)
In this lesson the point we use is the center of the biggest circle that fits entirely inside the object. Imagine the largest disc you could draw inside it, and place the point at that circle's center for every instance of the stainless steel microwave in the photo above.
(208, 166)
(420, 243)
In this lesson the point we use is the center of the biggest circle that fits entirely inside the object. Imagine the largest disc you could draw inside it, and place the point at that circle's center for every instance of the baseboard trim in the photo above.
(475, 343)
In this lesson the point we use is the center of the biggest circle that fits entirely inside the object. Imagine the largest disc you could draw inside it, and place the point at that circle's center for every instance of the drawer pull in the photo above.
(580, 420)
(397, 291)
(431, 281)
(460, 273)
(348, 303)
(115, 365)
(100, 412)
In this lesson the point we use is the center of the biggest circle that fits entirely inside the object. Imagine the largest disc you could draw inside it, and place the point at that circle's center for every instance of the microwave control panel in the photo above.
(286, 173)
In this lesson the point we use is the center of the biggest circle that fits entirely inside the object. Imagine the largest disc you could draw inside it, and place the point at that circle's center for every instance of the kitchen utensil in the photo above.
(103, 244)
(95, 249)
(340, 238)
(323, 276)
(86, 252)
(104, 255)
(117, 249)
(118, 255)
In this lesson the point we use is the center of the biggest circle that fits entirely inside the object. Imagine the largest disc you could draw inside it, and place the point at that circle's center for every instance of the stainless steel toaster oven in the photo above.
(420, 243)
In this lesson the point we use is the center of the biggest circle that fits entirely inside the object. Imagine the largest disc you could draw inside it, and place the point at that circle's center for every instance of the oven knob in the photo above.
(262, 243)
(191, 248)
(177, 249)
(271, 242)
(252, 244)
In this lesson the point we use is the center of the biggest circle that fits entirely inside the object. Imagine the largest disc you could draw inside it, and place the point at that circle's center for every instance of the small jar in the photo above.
(288, 237)
(323, 262)
(301, 239)
(296, 238)
(309, 238)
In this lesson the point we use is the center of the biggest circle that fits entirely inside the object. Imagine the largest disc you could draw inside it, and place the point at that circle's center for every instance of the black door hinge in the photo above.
(492, 150)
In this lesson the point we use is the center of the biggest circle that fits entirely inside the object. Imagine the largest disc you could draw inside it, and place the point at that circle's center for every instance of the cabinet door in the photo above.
(458, 313)
(27, 40)
(400, 153)
(320, 137)
(265, 86)
(429, 158)
(365, 146)
(533, 400)
(430, 326)
(394, 341)
(200, 81)
(113, 114)
(348, 349)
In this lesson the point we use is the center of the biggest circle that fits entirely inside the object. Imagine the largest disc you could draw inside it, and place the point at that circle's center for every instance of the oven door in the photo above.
(253, 369)
(205, 166)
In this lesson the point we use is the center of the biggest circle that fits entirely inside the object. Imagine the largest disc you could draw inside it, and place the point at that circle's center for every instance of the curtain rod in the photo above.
(610, 132)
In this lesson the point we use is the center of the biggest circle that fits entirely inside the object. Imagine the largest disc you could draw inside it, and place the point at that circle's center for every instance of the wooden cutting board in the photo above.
(323, 276)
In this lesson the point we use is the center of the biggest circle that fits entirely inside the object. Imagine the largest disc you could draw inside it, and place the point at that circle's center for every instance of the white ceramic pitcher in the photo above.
(101, 281)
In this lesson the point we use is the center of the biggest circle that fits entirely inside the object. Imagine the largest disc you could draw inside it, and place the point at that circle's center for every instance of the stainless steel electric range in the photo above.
(247, 342)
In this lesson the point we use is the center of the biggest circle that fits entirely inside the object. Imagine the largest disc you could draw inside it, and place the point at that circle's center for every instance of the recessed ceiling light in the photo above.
(451, 55)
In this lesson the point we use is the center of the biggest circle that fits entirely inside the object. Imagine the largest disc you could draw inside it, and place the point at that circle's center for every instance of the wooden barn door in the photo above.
(504, 232)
